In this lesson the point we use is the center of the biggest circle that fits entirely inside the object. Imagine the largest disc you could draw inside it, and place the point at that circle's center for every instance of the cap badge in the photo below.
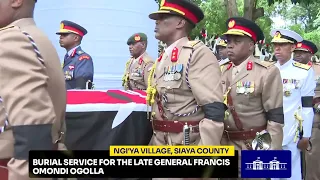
(61, 26)
(277, 35)
(231, 24)
(299, 45)
(137, 37)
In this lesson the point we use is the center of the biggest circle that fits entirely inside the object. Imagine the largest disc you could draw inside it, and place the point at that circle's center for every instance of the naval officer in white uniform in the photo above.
(298, 92)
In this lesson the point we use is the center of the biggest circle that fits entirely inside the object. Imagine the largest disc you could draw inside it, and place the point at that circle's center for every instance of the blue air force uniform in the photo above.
(77, 66)
(298, 91)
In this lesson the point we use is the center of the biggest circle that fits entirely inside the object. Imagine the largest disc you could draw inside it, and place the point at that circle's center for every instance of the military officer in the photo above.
(139, 65)
(222, 49)
(253, 89)
(298, 92)
(184, 88)
(303, 54)
(77, 65)
(32, 90)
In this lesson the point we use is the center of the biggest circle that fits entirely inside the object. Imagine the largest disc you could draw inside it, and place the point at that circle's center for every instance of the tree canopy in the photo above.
(302, 16)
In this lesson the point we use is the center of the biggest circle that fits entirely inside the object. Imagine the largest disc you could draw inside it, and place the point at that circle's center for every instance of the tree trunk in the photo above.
(250, 10)
(232, 8)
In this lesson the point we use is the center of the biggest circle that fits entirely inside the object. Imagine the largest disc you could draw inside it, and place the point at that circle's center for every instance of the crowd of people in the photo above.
(224, 101)
(228, 98)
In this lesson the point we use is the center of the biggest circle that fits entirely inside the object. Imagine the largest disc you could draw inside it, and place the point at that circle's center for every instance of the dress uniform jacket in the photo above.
(137, 72)
(298, 90)
(33, 92)
(188, 93)
(312, 156)
(254, 91)
(256, 95)
(78, 69)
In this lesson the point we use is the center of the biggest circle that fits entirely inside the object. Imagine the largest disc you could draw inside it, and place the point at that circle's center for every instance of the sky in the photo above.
(278, 22)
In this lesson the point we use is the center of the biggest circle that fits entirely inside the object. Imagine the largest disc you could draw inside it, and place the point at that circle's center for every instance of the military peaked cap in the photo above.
(243, 27)
(307, 46)
(71, 27)
(285, 36)
(183, 8)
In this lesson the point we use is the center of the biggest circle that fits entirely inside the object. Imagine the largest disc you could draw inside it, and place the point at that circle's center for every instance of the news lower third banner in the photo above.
(266, 164)
(137, 162)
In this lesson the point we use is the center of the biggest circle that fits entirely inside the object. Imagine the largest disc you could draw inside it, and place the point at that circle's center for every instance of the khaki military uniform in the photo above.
(188, 97)
(312, 156)
(32, 88)
(137, 72)
(253, 92)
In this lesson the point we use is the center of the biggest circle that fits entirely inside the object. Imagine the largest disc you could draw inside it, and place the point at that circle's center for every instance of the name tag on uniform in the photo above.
(246, 87)
(173, 73)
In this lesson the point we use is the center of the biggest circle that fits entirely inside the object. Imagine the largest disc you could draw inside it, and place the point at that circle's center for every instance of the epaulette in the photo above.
(80, 52)
(265, 64)
(302, 66)
(7, 27)
(193, 44)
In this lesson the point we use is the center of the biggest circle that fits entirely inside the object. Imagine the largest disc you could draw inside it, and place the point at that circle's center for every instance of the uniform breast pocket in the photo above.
(169, 89)
(243, 99)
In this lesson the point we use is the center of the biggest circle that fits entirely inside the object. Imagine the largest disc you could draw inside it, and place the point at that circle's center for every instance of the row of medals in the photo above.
(173, 73)
(289, 85)
(68, 75)
(245, 87)
(137, 72)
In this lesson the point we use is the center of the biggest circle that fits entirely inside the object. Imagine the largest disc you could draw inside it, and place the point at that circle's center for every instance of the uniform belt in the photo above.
(243, 135)
(174, 126)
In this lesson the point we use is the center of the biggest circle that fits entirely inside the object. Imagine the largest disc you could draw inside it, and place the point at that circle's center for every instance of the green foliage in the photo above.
(215, 18)
(303, 16)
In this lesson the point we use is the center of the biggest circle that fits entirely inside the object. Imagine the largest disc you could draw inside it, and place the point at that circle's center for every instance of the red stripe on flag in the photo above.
(105, 97)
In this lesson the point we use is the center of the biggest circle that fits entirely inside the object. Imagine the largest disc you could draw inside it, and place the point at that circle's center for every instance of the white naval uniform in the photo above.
(304, 85)
(223, 61)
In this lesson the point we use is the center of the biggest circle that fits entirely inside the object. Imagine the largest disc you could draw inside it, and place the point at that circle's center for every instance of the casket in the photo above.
(97, 119)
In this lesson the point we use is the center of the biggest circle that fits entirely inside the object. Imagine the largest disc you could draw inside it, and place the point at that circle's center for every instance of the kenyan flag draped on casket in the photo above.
(97, 119)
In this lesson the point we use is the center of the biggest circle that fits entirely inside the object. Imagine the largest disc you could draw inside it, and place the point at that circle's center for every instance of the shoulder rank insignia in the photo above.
(192, 44)
(302, 66)
(7, 27)
(84, 57)
(80, 52)
(265, 64)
